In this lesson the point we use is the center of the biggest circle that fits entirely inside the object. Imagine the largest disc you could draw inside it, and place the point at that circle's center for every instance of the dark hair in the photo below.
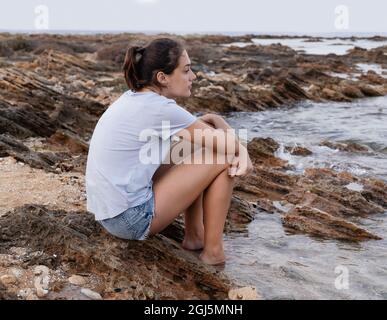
(143, 63)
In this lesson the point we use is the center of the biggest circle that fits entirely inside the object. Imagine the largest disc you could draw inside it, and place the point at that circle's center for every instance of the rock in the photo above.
(352, 91)
(149, 293)
(24, 293)
(239, 215)
(42, 280)
(245, 293)
(8, 280)
(41, 270)
(17, 272)
(370, 91)
(32, 296)
(77, 280)
(348, 147)
(261, 151)
(91, 294)
(57, 98)
(319, 223)
(40, 292)
(333, 95)
(298, 151)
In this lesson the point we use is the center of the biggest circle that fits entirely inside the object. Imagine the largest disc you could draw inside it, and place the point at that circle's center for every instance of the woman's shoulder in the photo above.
(149, 96)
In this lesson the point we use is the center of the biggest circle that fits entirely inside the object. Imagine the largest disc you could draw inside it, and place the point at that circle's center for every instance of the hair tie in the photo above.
(139, 53)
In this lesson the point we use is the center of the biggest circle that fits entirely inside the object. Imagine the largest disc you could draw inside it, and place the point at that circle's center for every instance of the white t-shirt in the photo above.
(129, 143)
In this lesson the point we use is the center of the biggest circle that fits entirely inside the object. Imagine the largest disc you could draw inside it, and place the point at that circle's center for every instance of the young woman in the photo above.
(134, 196)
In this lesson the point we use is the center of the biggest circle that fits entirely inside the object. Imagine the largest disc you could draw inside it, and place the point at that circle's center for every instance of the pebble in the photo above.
(245, 293)
(32, 296)
(41, 269)
(77, 280)
(17, 272)
(24, 293)
(8, 280)
(91, 294)
(42, 280)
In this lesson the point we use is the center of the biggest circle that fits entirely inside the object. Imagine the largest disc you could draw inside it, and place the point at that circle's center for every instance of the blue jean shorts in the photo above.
(132, 224)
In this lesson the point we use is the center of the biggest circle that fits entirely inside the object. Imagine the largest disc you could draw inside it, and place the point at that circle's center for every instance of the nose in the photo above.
(194, 76)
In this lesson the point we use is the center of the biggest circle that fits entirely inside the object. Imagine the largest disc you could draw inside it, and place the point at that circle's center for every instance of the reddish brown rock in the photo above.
(319, 223)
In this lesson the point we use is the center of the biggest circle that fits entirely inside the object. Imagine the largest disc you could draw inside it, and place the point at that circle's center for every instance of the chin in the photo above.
(186, 95)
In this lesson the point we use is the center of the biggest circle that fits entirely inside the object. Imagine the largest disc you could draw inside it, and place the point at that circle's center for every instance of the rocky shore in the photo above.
(53, 89)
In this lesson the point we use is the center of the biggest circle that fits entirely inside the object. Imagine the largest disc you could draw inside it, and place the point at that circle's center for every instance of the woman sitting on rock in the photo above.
(131, 187)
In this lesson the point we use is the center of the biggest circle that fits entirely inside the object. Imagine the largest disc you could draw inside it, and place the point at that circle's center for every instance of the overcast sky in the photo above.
(307, 16)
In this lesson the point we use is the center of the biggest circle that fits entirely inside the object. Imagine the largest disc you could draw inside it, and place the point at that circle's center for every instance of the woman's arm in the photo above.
(241, 163)
(206, 133)
(216, 121)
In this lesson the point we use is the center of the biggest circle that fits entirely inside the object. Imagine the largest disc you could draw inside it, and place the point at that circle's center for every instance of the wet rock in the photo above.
(319, 223)
(326, 190)
(370, 91)
(352, 91)
(266, 205)
(239, 215)
(333, 95)
(348, 147)
(261, 151)
(298, 151)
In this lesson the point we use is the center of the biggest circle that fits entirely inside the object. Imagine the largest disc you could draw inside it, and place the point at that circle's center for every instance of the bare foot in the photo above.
(193, 244)
(213, 259)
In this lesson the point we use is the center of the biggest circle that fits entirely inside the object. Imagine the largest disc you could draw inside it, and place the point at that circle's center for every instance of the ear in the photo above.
(162, 78)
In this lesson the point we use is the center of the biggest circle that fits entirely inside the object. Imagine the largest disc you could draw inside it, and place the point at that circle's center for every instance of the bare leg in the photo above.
(194, 227)
(217, 198)
(173, 195)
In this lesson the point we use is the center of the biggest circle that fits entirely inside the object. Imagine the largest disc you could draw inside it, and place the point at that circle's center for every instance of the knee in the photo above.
(216, 159)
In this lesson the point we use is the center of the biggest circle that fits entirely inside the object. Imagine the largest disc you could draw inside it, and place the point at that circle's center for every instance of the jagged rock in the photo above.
(351, 91)
(55, 88)
(261, 151)
(319, 223)
(298, 151)
(349, 147)
(370, 91)
(92, 250)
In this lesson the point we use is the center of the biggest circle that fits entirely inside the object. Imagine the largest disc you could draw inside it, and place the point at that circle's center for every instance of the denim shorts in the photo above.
(132, 224)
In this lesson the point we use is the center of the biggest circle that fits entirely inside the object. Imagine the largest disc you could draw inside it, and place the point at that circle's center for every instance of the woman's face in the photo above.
(179, 83)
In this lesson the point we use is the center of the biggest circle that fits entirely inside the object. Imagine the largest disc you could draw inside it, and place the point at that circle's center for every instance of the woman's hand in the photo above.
(209, 119)
(241, 165)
